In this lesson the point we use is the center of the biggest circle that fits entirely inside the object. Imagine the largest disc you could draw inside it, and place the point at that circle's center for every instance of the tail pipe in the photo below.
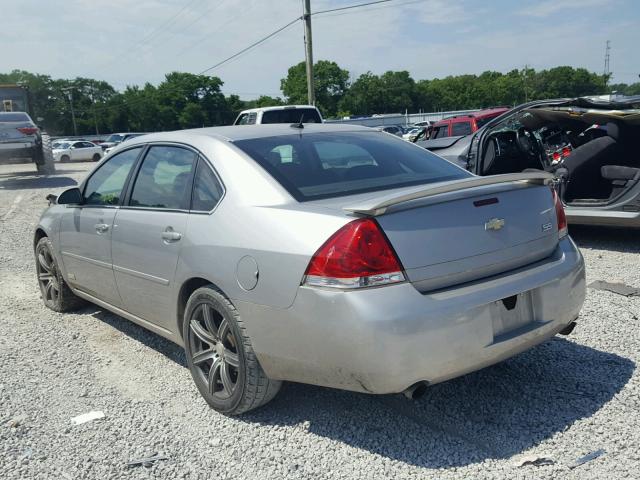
(416, 390)
(568, 329)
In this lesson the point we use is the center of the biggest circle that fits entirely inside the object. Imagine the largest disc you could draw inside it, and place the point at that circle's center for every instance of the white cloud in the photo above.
(550, 7)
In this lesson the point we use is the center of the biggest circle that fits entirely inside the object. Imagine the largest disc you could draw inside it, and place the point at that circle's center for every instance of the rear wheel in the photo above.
(220, 356)
(44, 157)
(56, 294)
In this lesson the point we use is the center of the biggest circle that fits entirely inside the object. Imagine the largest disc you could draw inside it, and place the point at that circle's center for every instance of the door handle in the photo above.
(101, 227)
(171, 236)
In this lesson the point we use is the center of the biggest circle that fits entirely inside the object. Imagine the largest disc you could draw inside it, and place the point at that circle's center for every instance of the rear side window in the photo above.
(14, 117)
(207, 190)
(460, 128)
(323, 165)
(164, 179)
(105, 186)
(291, 115)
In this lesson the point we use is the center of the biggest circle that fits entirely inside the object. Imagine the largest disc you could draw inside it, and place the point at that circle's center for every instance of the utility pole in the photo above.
(73, 113)
(311, 94)
(606, 63)
(93, 104)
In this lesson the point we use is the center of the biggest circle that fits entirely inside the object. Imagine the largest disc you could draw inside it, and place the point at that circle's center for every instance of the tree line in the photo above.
(184, 100)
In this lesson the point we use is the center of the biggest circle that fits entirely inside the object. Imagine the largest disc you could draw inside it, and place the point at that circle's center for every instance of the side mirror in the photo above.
(70, 197)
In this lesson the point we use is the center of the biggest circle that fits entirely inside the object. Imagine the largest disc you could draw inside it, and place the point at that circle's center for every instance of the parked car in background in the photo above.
(414, 133)
(20, 139)
(77, 151)
(590, 144)
(116, 139)
(396, 130)
(461, 125)
(279, 114)
(377, 247)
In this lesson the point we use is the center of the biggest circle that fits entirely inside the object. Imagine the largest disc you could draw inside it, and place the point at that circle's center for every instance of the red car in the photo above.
(465, 124)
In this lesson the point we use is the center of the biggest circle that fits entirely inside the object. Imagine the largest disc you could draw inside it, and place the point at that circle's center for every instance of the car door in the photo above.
(148, 232)
(75, 152)
(86, 229)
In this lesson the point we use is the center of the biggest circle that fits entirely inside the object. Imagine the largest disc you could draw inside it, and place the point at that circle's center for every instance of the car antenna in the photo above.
(299, 124)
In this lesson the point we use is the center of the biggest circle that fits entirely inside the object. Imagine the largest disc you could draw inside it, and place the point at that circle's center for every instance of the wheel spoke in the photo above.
(201, 333)
(223, 330)
(227, 383)
(231, 358)
(43, 263)
(48, 289)
(203, 356)
(208, 320)
(214, 374)
(45, 277)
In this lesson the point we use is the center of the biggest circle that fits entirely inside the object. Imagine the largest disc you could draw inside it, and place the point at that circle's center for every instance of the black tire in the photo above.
(65, 159)
(56, 294)
(206, 347)
(96, 157)
(44, 157)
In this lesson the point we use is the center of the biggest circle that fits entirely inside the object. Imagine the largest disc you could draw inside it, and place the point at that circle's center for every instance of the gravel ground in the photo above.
(563, 399)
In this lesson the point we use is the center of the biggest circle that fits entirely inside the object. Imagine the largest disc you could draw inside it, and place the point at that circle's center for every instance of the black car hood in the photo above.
(438, 143)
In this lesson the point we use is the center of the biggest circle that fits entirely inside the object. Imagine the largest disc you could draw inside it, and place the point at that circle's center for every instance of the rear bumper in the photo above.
(22, 149)
(383, 340)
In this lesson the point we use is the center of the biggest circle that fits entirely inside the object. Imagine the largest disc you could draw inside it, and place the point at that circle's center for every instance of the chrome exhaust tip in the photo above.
(416, 390)
(568, 329)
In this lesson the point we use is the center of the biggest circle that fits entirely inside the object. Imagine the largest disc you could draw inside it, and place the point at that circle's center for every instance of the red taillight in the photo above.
(357, 255)
(28, 130)
(560, 215)
(566, 151)
(556, 157)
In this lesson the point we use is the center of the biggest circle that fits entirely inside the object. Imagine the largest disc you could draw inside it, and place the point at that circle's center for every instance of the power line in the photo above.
(349, 7)
(408, 2)
(254, 44)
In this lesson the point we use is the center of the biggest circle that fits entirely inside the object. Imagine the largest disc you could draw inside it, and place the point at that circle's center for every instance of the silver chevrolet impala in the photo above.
(331, 255)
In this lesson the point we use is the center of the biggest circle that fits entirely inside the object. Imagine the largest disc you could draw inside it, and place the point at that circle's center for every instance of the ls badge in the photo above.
(494, 224)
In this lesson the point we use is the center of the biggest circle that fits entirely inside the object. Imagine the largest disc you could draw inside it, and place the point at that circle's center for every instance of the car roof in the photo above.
(277, 107)
(234, 133)
(489, 112)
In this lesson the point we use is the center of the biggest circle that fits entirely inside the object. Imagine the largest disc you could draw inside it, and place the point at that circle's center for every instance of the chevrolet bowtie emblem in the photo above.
(494, 224)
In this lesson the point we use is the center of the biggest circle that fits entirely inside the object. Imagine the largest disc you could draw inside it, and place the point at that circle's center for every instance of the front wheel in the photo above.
(96, 157)
(220, 356)
(56, 294)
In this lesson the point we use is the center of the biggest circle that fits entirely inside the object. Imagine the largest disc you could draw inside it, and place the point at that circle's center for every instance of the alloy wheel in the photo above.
(48, 276)
(213, 350)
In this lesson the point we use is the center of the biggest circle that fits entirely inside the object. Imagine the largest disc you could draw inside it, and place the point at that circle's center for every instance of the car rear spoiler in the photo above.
(378, 206)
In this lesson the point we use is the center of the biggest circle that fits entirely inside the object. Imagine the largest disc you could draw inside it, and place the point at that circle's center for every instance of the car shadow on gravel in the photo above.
(606, 238)
(494, 413)
(31, 181)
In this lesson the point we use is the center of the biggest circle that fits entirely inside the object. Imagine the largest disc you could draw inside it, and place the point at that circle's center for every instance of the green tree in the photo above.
(330, 81)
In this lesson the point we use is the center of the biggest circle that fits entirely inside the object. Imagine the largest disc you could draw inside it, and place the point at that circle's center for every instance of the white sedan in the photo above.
(77, 150)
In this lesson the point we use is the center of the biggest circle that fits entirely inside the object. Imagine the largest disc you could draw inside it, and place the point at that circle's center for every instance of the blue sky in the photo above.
(133, 41)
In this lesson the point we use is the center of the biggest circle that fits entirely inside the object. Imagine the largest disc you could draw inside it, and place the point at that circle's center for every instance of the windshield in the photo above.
(324, 165)
(114, 138)
(291, 115)
(61, 145)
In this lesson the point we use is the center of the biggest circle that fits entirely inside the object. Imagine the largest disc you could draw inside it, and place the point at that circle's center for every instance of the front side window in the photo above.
(242, 119)
(207, 190)
(164, 179)
(105, 186)
(324, 165)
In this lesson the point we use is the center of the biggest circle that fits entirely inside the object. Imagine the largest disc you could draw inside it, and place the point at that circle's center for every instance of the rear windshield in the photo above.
(291, 115)
(14, 117)
(324, 165)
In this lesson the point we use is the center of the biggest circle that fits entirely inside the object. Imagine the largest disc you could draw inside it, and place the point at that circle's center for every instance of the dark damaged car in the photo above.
(590, 144)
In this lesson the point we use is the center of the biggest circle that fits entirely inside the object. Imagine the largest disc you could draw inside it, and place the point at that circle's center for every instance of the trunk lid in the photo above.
(463, 235)
(9, 131)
